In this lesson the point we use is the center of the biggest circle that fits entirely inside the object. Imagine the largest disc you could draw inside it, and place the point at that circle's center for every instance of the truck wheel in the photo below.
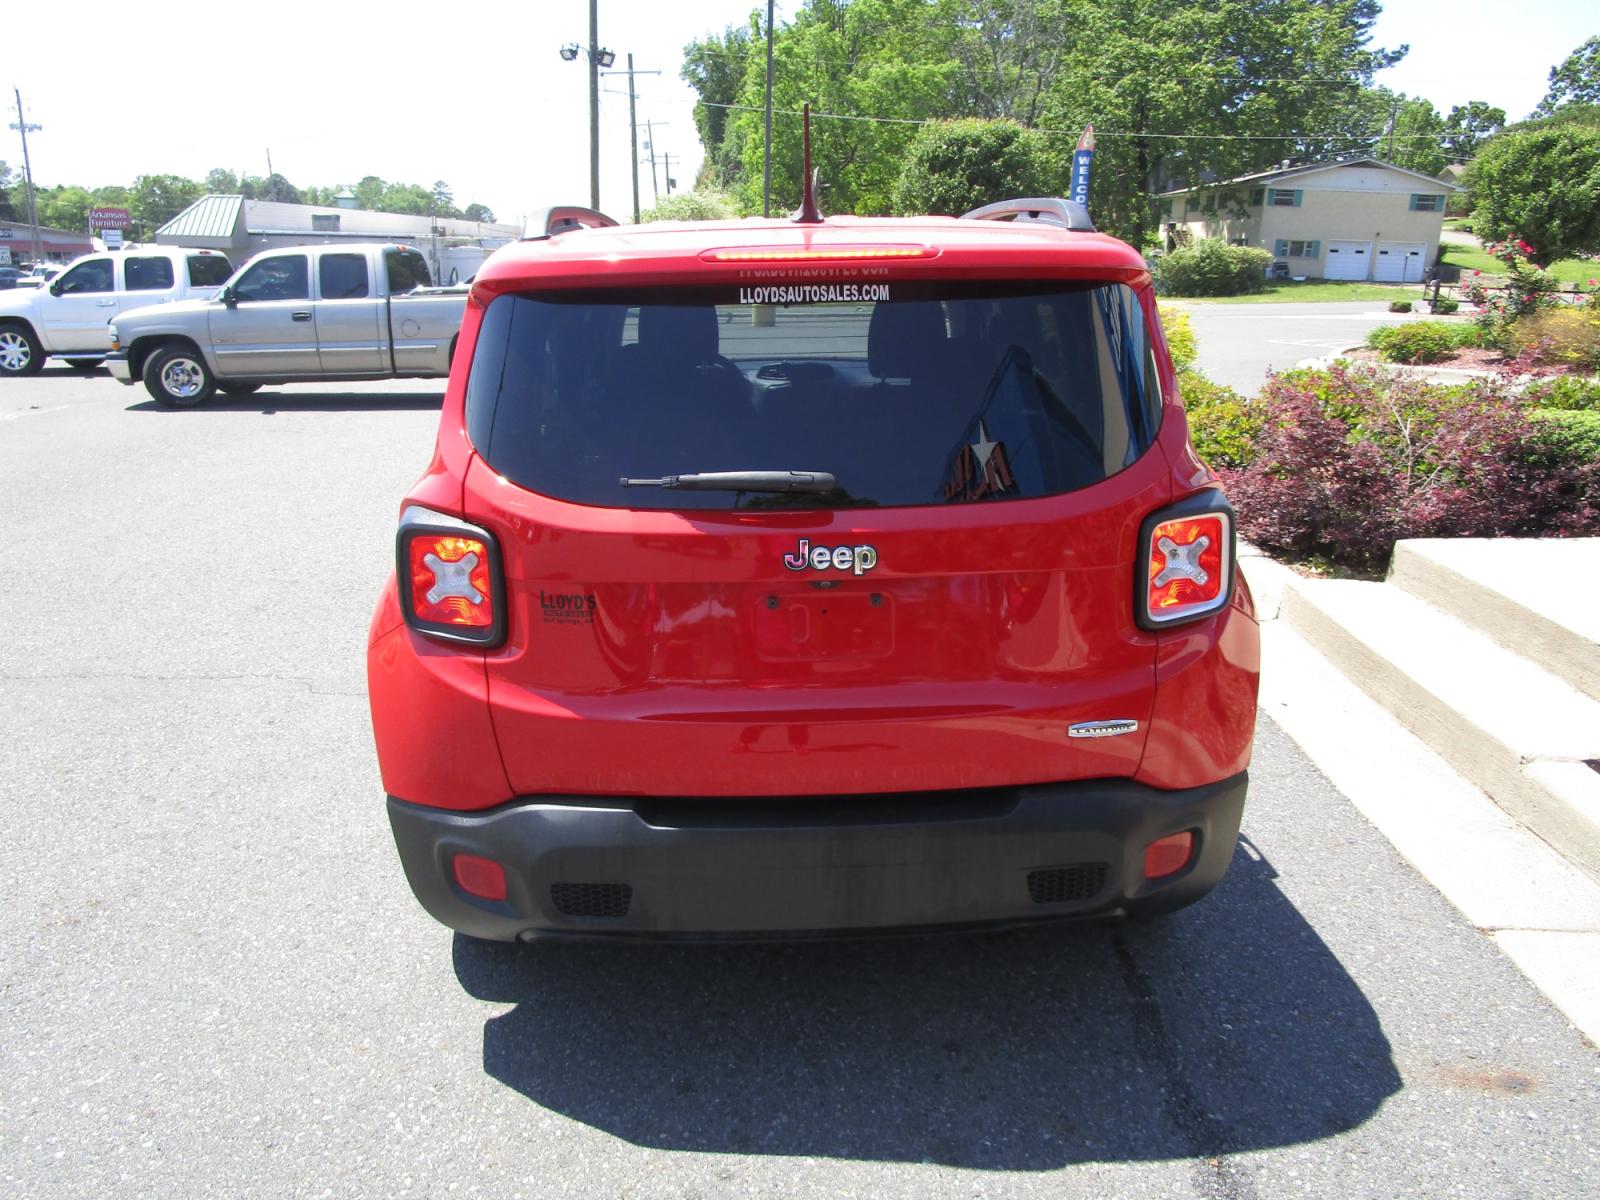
(238, 389)
(20, 353)
(85, 364)
(178, 378)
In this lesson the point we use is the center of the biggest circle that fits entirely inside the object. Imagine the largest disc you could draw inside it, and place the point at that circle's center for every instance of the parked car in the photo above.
(345, 312)
(39, 274)
(70, 316)
(9, 277)
(813, 576)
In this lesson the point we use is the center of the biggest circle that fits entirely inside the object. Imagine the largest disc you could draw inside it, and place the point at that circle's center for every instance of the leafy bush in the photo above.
(1444, 305)
(1346, 462)
(1211, 267)
(1181, 343)
(1416, 342)
(1541, 184)
(1568, 436)
(1569, 336)
(1223, 425)
(1399, 306)
(953, 166)
(690, 206)
(1570, 393)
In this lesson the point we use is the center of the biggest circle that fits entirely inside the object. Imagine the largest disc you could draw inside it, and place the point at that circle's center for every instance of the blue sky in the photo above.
(478, 96)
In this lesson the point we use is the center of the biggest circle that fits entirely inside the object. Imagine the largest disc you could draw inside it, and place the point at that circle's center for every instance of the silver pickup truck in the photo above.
(337, 312)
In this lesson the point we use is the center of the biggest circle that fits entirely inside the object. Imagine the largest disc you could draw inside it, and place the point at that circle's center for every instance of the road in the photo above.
(216, 982)
(1241, 343)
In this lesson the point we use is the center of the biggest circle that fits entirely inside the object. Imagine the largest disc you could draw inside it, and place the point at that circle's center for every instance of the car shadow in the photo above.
(269, 403)
(1224, 1028)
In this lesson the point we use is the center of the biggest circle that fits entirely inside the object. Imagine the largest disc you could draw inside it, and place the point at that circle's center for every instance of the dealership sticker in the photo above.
(567, 608)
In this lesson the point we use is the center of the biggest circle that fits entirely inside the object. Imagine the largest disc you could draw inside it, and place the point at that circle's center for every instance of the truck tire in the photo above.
(20, 352)
(238, 389)
(179, 378)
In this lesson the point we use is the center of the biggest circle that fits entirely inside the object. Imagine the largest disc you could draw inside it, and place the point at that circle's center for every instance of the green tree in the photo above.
(716, 69)
(1470, 125)
(953, 166)
(479, 212)
(64, 207)
(8, 210)
(689, 206)
(369, 193)
(1542, 186)
(156, 199)
(1575, 81)
(444, 201)
(222, 182)
(1010, 53)
(276, 187)
(404, 198)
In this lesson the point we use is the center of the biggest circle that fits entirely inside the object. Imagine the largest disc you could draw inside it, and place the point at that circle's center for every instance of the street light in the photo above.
(598, 58)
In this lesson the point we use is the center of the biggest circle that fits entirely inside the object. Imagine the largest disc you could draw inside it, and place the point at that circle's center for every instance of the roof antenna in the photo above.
(807, 213)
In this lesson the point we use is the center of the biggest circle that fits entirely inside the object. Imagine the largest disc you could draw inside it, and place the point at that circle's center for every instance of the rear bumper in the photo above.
(760, 867)
(117, 364)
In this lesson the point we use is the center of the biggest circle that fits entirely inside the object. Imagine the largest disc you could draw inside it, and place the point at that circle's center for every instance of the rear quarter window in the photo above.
(909, 394)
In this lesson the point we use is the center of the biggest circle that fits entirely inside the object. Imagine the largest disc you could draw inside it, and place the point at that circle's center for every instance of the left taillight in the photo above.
(1186, 555)
(452, 586)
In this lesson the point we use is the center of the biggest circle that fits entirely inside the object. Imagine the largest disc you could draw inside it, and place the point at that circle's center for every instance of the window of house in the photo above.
(1283, 198)
(1427, 203)
(1293, 248)
(1257, 197)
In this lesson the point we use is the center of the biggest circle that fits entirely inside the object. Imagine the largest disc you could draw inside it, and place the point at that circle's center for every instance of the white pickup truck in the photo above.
(69, 317)
(308, 313)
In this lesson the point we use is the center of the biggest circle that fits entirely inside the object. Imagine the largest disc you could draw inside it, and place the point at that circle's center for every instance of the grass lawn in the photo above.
(1313, 290)
(1569, 270)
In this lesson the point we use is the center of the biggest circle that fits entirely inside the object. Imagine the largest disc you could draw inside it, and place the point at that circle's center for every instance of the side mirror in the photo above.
(55, 288)
(227, 297)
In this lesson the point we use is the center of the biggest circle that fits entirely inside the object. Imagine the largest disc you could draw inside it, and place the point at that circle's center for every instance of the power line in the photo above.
(1072, 133)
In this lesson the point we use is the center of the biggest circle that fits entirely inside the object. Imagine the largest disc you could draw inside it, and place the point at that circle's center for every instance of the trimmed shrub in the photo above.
(1570, 393)
(1181, 343)
(690, 206)
(1211, 267)
(1567, 336)
(1417, 342)
(1444, 306)
(1347, 462)
(1568, 436)
(1399, 306)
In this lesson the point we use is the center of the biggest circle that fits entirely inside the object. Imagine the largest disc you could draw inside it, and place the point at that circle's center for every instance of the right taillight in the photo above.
(451, 585)
(1186, 566)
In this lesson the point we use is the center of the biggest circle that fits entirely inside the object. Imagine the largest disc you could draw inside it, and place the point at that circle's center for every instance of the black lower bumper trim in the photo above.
(608, 866)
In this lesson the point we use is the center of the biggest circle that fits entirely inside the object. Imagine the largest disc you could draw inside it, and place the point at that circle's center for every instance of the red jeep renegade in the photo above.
(812, 576)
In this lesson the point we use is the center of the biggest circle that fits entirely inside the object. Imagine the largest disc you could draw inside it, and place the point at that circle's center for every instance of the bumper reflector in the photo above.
(1168, 855)
(481, 877)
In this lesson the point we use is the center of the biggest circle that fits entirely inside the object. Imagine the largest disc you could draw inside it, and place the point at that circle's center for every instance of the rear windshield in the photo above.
(908, 394)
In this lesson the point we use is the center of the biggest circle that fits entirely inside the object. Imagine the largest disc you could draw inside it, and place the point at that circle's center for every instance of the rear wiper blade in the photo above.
(741, 481)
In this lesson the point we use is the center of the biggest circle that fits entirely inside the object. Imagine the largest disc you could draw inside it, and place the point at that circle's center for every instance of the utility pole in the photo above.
(666, 170)
(650, 145)
(1394, 114)
(633, 139)
(594, 104)
(24, 129)
(766, 160)
(633, 127)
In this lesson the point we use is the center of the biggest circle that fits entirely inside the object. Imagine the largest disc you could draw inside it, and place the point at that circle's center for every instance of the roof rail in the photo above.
(562, 218)
(1049, 209)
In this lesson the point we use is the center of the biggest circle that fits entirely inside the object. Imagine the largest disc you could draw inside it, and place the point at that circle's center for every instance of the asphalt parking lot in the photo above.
(216, 982)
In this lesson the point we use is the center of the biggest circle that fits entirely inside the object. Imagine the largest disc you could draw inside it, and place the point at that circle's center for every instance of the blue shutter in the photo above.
(1414, 199)
(1298, 196)
(1438, 204)
(1280, 249)
(1315, 251)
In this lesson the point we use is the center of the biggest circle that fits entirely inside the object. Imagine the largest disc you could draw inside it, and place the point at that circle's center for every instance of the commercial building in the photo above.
(240, 228)
(55, 245)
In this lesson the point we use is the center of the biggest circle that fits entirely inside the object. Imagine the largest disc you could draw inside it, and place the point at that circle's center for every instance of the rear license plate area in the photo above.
(801, 627)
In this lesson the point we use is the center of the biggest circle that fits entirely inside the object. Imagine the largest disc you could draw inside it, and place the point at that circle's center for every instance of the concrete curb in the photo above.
(1542, 911)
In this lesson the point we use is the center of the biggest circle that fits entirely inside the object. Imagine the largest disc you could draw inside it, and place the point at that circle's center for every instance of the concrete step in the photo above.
(1515, 730)
(1539, 597)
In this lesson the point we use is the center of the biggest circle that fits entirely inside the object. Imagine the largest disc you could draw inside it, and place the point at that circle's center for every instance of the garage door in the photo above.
(1347, 260)
(1398, 262)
